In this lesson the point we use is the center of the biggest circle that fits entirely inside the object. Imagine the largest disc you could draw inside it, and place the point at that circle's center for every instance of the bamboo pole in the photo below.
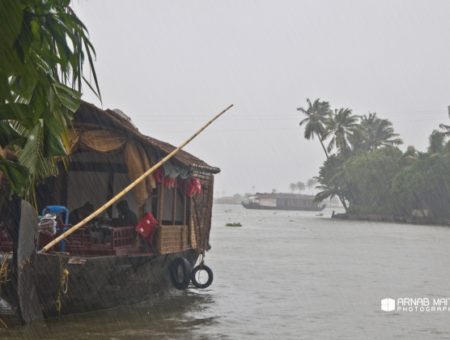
(130, 186)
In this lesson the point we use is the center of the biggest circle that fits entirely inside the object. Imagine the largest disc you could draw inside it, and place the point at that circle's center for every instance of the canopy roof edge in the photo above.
(90, 115)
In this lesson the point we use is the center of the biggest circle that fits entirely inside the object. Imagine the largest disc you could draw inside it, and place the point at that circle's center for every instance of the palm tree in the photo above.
(312, 182)
(328, 192)
(373, 133)
(42, 57)
(293, 187)
(444, 127)
(300, 186)
(437, 142)
(316, 113)
(340, 127)
(410, 155)
(331, 181)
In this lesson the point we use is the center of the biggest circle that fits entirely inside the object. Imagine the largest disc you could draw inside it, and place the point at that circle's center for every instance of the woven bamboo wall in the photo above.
(201, 206)
(173, 239)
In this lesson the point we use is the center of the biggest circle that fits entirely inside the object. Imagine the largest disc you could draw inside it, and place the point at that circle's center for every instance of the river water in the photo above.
(289, 275)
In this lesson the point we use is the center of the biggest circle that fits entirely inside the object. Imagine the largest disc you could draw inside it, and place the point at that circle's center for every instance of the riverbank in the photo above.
(392, 219)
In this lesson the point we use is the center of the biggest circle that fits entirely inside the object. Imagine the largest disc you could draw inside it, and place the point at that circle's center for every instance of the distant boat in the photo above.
(282, 201)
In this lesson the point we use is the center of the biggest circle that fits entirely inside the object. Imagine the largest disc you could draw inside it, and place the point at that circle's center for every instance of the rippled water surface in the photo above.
(289, 275)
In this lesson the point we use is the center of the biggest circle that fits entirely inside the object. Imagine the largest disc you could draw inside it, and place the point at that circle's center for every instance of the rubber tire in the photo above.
(187, 272)
(210, 277)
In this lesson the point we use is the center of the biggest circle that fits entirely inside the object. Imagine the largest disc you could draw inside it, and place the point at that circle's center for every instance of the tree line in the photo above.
(301, 186)
(365, 168)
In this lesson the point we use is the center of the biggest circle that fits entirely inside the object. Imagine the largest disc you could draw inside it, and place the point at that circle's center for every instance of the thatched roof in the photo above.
(90, 115)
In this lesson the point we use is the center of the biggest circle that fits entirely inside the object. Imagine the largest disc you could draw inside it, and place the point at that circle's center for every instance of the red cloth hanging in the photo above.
(194, 187)
(170, 182)
(159, 175)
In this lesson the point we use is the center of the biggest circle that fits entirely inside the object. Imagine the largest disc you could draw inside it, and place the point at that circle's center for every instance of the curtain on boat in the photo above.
(138, 162)
(102, 140)
(134, 156)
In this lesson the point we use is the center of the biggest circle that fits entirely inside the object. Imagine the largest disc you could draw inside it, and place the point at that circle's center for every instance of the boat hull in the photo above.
(67, 284)
(261, 207)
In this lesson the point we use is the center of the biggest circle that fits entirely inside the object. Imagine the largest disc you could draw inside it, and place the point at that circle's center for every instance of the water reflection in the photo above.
(288, 275)
(167, 317)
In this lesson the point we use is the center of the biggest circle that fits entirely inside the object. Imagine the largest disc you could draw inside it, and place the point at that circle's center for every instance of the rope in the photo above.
(65, 281)
(4, 270)
(63, 285)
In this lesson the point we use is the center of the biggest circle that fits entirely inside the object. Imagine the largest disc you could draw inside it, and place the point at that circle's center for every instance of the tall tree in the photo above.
(340, 127)
(300, 186)
(311, 183)
(332, 182)
(373, 133)
(444, 127)
(43, 49)
(436, 142)
(368, 177)
(316, 113)
(424, 186)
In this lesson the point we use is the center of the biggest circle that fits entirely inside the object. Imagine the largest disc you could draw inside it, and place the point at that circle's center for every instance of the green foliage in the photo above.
(340, 128)
(389, 182)
(301, 186)
(317, 114)
(43, 49)
(312, 182)
(331, 180)
(370, 175)
(424, 186)
(293, 187)
(373, 132)
(15, 172)
(347, 135)
(437, 140)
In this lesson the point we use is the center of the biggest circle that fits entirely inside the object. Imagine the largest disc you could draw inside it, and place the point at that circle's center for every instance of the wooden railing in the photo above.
(115, 241)
(123, 237)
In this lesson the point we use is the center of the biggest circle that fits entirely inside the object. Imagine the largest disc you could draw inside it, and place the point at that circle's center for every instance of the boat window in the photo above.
(154, 201)
(173, 206)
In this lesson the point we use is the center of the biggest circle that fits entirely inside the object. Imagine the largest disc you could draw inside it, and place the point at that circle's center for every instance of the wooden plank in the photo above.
(161, 204)
(98, 167)
(174, 205)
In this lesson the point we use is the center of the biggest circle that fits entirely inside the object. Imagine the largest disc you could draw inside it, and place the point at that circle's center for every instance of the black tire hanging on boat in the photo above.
(210, 276)
(177, 281)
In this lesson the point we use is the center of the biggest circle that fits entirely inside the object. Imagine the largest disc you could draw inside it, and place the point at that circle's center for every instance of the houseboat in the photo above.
(282, 201)
(145, 245)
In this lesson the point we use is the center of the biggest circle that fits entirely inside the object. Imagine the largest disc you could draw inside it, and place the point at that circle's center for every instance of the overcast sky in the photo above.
(171, 65)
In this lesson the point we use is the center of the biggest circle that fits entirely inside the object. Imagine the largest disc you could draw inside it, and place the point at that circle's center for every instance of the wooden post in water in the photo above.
(113, 200)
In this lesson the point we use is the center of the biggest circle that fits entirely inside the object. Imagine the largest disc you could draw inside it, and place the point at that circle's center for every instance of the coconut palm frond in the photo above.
(38, 97)
(314, 123)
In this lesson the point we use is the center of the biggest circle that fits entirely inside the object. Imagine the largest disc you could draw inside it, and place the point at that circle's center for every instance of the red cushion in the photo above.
(147, 225)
